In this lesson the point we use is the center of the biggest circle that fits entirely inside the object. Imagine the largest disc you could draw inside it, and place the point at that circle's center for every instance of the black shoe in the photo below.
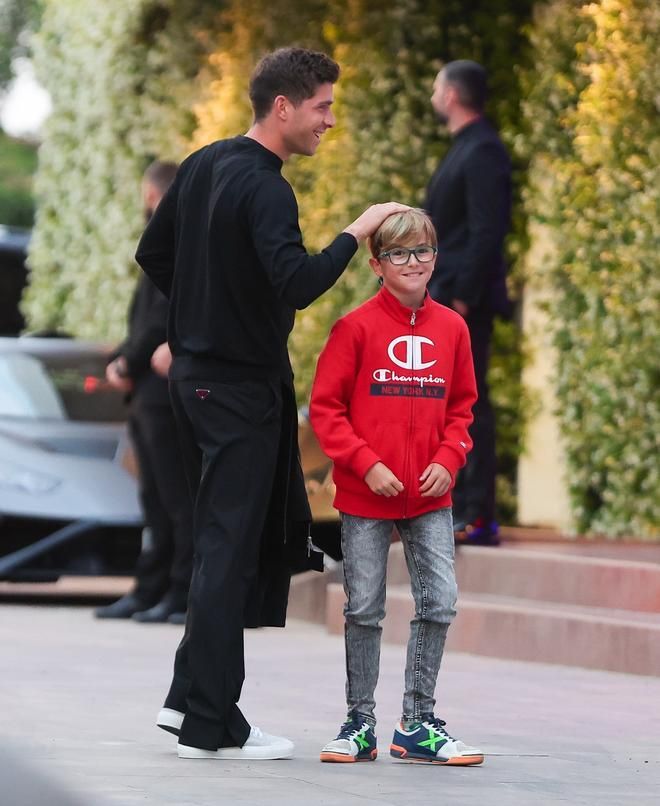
(479, 532)
(125, 607)
(177, 618)
(160, 612)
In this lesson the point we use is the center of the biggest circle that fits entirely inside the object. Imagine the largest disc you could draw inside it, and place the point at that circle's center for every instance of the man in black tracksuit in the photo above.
(226, 248)
(164, 568)
(469, 201)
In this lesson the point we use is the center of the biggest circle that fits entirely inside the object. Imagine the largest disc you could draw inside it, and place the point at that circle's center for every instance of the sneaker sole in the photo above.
(170, 720)
(342, 758)
(236, 753)
(456, 761)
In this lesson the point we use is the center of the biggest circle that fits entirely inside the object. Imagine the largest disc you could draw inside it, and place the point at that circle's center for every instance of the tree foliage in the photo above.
(18, 20)
(120, 77)
(18, 162)
(593, 121)
(386, 142)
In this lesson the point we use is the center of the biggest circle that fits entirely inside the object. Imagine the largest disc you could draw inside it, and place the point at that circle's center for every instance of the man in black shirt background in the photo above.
(225, 247)
(164, 567)
(469, 201)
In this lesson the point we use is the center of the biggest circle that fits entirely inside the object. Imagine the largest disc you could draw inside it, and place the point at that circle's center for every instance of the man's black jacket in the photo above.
(469, 201)
(225, 246)
(147, 328)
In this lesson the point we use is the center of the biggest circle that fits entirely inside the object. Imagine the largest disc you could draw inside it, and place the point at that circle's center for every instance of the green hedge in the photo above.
(123, 82)
(594, 135)
(120, 76)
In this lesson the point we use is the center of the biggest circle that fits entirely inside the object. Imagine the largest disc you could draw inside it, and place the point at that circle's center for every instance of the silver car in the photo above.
(68, 487)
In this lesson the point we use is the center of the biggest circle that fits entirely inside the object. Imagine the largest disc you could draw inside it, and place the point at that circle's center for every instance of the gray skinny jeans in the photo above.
(428, 542)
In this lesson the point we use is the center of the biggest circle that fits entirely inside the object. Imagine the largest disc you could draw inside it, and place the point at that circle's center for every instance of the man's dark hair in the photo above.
(161, 174)
(471, 83)
(295, 73)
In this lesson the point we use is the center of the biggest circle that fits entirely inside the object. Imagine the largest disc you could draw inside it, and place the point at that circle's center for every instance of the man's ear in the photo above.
(281, 106)
(151, 196)
(451, 95)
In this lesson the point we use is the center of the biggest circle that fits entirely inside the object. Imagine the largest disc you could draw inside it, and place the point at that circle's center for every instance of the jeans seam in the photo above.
(420, 635)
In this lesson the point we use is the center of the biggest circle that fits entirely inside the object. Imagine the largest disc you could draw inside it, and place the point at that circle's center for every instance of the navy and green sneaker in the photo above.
(356, 741)
(427, 740)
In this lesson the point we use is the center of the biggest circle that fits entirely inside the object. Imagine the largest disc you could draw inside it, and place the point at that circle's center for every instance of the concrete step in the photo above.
(550, 576)
(524, 629)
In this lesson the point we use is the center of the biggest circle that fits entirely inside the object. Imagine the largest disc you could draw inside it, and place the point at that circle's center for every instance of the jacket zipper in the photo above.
(411, 420)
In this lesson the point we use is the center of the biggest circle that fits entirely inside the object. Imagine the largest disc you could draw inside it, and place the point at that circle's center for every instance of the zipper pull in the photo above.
(412, 318)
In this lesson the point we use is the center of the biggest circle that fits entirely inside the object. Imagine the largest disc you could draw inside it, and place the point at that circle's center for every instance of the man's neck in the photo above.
(268, 139)
(460, 119)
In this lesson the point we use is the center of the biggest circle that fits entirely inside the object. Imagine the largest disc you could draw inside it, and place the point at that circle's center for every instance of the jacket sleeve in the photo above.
(148, 334)
(157, 247)
(488, 203)
(297, 277)
(331, 395)
(456, 442)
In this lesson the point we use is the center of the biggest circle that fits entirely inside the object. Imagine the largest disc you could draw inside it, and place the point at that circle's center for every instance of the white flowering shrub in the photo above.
(120, 75)
(593, 112)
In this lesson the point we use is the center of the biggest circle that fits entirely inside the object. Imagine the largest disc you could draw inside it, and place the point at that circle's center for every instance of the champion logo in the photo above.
(202, 394)
(412, 352)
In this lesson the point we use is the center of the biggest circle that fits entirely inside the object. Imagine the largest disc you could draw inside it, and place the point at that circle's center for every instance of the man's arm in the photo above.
(300, 278)
(456, 442)
(488, 200)
(156, 250)
(147, 333)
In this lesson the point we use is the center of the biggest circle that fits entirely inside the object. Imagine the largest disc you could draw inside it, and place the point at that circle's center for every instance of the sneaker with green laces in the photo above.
(356, 741)
(428, 741)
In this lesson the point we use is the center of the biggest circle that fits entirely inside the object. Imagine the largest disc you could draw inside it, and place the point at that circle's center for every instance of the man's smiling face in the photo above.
(308, 122)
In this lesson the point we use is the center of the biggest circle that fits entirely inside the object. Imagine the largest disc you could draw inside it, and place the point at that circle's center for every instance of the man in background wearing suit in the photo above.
(164, 567)
(469, 201)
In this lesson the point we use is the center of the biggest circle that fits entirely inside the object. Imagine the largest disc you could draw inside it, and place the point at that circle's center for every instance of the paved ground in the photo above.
(78, 699)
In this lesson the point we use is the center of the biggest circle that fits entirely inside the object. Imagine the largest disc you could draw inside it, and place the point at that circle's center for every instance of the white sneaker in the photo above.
(259, 745)
(170, 720)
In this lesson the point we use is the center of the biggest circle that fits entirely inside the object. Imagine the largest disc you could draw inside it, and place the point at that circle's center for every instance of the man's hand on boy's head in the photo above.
(366, 224)
(380, 480)
(436, 480)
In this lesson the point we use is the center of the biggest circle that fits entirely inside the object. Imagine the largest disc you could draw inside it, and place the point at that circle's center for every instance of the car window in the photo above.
(57, 387)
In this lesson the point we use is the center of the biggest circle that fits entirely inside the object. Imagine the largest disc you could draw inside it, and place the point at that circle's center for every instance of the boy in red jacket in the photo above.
(391, 405)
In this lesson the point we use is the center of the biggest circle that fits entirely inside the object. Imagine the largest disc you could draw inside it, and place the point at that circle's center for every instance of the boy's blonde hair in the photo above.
(403, 228)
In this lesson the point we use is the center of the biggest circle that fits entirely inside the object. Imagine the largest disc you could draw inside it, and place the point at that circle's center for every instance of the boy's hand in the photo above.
(366, 224)
(382, 481)
(436, 480)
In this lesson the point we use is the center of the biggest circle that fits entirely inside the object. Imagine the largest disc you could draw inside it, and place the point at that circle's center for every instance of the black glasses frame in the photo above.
(414, 251)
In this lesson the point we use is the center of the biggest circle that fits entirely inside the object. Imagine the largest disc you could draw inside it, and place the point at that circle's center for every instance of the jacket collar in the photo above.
(400, 312)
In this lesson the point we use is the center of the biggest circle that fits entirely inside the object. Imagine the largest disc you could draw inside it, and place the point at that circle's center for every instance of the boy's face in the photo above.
(406, 281)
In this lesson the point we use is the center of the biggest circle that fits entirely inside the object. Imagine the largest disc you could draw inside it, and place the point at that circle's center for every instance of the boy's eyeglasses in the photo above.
(400, 255)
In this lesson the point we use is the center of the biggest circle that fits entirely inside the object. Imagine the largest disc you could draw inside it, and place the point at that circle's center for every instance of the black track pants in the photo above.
(230, 434)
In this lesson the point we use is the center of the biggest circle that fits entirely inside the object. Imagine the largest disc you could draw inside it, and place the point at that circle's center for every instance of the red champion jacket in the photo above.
(394, 386)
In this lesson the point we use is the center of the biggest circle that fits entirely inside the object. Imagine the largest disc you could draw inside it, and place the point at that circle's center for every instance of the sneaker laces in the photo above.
(350, 729)
(438, 725)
